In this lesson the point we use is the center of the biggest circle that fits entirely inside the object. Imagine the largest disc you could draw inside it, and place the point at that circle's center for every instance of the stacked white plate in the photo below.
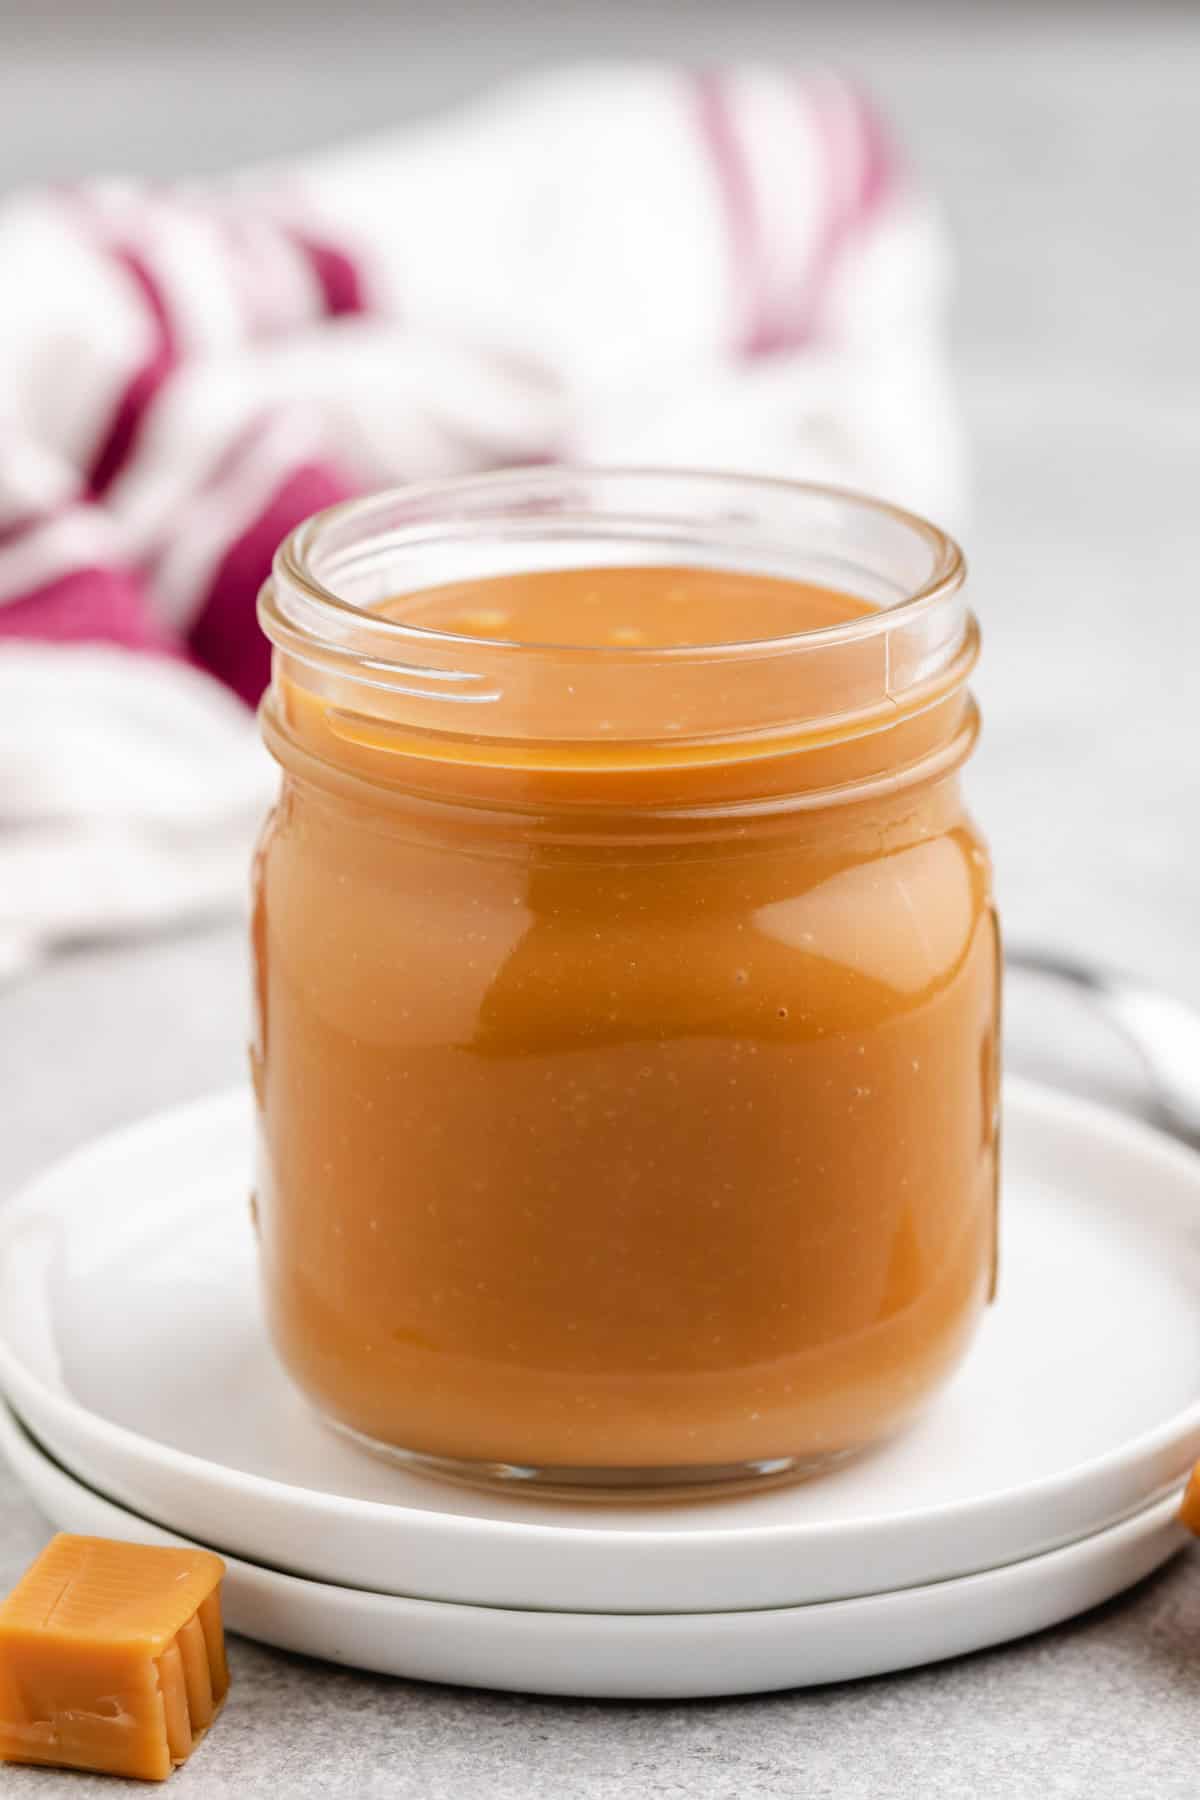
(143, 1402)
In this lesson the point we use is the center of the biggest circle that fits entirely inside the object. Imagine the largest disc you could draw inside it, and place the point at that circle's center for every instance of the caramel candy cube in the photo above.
(112, 1657)
(1189, 1512)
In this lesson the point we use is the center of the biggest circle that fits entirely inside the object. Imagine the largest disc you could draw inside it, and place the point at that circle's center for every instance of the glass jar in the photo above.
(626, 1043)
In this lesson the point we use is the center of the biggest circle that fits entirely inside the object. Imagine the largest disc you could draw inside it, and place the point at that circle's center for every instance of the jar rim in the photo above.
(326, 612)
(293, 567)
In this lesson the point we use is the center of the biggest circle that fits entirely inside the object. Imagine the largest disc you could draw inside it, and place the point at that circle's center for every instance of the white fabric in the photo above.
(134, 810)
(552, 275)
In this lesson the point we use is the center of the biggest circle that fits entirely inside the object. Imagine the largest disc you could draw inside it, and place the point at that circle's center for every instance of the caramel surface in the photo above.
(605, 1132)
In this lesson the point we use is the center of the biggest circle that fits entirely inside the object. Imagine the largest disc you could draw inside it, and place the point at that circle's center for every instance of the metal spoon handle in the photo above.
(1164, 1031)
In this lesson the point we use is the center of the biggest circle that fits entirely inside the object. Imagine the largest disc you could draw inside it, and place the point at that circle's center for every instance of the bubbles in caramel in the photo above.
(627, 980)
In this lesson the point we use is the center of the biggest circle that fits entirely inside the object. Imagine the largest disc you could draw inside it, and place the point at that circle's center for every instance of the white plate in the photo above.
(130, 1341)
(651, 1656)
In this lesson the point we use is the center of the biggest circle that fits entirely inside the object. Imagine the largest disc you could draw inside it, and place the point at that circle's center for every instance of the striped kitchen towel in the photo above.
(629, 264)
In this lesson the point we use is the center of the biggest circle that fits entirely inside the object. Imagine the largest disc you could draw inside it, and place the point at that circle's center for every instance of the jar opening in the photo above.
(344, 608)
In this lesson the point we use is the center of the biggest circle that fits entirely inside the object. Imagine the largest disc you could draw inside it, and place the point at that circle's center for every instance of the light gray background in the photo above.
(1066, 143)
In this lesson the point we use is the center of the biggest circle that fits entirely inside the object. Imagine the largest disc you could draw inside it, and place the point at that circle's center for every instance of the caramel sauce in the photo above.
(608, 1124)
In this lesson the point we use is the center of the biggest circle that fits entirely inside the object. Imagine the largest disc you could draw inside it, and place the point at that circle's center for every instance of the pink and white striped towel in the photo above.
(632, 264)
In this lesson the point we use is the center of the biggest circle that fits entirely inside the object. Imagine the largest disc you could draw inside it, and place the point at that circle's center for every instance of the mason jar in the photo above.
(627, 976)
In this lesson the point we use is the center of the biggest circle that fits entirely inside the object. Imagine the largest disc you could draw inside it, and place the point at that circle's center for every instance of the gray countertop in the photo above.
(1065, 144)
